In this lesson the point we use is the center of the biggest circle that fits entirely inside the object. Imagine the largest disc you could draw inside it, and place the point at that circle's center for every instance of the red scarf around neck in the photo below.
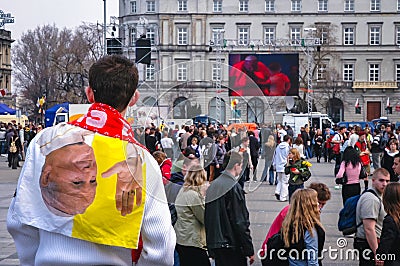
(106, 120)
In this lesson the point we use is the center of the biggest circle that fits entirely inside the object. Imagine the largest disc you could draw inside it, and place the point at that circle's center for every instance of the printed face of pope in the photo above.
(68, 179)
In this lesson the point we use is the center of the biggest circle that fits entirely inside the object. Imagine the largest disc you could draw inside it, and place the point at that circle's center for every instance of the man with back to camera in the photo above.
(370, 214)
(226, 217)
(130, 200)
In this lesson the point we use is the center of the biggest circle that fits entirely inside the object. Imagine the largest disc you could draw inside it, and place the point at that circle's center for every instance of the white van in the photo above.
(313, 119)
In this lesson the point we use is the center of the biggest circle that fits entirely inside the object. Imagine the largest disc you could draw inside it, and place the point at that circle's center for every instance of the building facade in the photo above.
(357, 59)
(5, 62)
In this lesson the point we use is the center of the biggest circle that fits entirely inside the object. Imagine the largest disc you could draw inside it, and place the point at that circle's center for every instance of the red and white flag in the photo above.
(388, 102)
(2, 92)
(357, 105)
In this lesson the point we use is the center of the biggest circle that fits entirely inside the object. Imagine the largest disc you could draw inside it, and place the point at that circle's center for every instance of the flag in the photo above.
(357, 104)
(2, 92)
(388, 102)
(37, 102)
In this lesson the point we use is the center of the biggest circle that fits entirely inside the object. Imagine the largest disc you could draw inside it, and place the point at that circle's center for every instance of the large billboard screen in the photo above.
(263, 74)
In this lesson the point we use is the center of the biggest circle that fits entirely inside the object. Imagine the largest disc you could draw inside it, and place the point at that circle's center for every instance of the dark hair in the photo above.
(231, 158)
(391, 201)
(350, 155)
(114, 80)
(323, 191)
(286, 138)
(298, 141)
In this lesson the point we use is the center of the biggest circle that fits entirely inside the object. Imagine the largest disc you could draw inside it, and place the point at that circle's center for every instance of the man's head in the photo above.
(250, 63)
(323, 193)
(113, 81)
(396, 164)
(233, 162)
(68, 179)
(380, 179)
(287, 139)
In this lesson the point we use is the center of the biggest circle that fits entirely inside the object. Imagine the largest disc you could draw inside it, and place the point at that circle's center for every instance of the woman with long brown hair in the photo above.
(298, 171)
(388, 252)
(302, 228)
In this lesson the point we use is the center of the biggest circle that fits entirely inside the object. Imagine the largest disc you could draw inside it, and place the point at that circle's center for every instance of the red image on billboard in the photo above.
(264, 74)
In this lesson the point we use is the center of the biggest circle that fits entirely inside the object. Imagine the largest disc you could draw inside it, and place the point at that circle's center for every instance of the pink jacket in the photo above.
(353, 172)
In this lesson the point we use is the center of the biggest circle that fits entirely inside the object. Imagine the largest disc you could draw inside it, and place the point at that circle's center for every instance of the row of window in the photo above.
(295, 5)
(374, 72)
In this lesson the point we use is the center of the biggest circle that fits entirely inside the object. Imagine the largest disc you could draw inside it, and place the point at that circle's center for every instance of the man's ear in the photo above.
(134, 98)
(45, 176)
(89, 94)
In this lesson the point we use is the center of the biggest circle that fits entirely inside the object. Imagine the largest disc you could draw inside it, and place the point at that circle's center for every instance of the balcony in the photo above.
(384, 85)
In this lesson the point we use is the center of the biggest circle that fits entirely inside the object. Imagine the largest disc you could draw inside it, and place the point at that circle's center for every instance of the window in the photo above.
(132, 36)
(269, 5)
(321, 72)
(323, 34)
(243, 5)
(217, 6)
(348, 35)
(348, 72)
(150, 34)
(216, 35)
(182, 72)
(323, 5)
(133, 7)
(243, 35)
(216, 72)
(269, 33)
(150, 70)
(349, 5)
(373, 72)
(182, 5)
(151, 6)
(398, 72)
(296, 5)
(375, 5)
(398, 35)
(375, 35)
(398, 5)
(182, 36)
(295, 34)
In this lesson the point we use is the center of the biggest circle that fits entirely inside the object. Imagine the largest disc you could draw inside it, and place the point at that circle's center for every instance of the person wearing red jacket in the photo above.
(165, 165)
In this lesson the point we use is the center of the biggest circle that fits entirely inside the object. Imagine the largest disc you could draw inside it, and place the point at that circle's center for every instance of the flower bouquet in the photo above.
(303, 167)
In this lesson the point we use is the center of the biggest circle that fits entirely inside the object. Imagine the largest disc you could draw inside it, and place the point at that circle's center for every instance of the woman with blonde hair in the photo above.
(268, 152)
(388, 251)
(298, 170)
(189, 228)
(302, 229)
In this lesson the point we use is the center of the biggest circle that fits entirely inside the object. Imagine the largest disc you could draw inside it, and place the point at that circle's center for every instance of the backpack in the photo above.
(347, 223)
(13, 146)
(274, 244)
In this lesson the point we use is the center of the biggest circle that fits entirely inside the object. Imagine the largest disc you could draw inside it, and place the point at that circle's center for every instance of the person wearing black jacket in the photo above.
(226, 217)
(254, 149)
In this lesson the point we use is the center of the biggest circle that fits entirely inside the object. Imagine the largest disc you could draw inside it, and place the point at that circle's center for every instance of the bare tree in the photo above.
(54, 63)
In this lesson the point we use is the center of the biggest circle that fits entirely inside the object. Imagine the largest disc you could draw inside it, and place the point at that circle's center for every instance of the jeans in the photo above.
(293, 188)
(272, 179)
(267, 165)
(376, 159)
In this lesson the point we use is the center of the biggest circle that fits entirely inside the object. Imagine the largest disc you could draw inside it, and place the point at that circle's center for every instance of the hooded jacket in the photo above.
(280, 157)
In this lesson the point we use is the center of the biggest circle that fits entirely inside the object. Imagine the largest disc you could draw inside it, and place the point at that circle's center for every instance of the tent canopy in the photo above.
(51, 112)
(5, 110)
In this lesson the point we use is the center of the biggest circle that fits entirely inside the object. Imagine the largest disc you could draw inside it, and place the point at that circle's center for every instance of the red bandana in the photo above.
(104, 119)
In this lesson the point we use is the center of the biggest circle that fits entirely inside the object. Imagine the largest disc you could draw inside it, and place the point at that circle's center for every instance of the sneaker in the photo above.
(277, 196)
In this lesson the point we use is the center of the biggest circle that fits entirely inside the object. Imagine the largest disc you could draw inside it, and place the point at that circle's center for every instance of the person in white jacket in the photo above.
(279, 162)
(129, 217)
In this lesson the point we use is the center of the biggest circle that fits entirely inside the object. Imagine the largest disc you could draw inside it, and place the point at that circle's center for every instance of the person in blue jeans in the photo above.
(268, 154)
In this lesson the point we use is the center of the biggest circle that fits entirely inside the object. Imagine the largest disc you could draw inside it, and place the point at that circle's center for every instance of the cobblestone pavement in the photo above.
(261, 202)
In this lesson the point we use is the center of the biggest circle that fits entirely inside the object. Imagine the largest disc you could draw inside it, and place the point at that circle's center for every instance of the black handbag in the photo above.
(341, 180)
(363, 173)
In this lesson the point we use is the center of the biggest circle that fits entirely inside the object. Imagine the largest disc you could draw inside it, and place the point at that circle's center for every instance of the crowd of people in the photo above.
(178, 196)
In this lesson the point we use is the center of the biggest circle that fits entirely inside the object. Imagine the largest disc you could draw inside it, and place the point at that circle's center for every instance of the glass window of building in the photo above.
(150, 71)
(322, 5)
(243, 35)
(269, 35)
(398, 35)
(216, 72)
(151, 6)
(398, 5)
(182, 72)
(349, 5)
(217, 35)
(243, 5)
(296, 5)
(295, 34)
(132, 36)
(398, 72)
(182, 5)
(182, 35)
(217, 6)
(133, 6)
(321, 72)
(375, 5)
(269, 5)
(348, 72)
(375, 35)
(151, 34)
(374, 74)
(348, 35)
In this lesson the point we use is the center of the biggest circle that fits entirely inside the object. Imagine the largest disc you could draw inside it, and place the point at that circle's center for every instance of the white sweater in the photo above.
(40, 247)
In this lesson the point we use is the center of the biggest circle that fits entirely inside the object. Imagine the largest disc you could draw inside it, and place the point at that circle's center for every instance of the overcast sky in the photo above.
(28, 14)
